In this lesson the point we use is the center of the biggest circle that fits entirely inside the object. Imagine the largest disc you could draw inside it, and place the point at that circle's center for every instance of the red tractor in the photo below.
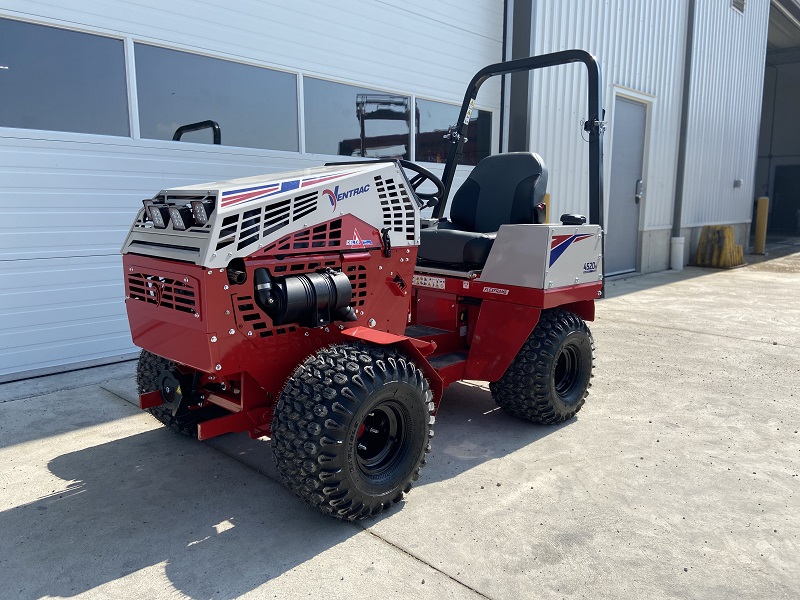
(318, 308)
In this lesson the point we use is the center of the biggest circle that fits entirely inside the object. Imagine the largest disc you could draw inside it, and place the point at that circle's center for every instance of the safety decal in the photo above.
(428, 281)
(358, 240)
(561, 242)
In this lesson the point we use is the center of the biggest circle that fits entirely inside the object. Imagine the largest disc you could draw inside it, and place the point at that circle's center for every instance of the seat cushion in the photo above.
(454, 246)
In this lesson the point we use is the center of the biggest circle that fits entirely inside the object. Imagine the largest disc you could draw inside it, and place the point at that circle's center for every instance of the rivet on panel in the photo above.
(218, 367)
(213, 339)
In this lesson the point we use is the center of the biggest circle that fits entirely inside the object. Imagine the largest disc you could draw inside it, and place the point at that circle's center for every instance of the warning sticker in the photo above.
(469, 111)
(429, 282)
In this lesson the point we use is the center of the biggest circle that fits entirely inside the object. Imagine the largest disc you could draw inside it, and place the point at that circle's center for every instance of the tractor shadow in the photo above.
(470, 429)
(220, 530)
(155, 498)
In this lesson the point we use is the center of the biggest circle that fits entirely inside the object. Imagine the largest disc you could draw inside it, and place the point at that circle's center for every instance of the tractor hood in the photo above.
(212, 223)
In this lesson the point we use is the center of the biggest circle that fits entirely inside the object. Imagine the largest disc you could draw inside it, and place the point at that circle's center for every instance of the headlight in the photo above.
(156, 214)
(199, 212)
(181, 217)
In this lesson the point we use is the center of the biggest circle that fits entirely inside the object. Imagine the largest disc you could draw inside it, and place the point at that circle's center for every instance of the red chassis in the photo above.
(461, 329)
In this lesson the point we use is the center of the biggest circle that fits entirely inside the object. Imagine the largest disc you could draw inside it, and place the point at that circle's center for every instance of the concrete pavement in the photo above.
(679, 478)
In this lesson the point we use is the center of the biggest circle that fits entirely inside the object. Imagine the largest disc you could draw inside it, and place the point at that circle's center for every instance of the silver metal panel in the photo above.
(640, 44)
(545, 256)
(253, 212)
(724, 112)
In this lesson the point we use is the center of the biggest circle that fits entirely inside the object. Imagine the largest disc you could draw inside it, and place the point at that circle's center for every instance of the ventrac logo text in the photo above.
(335, 195)
(493, 290)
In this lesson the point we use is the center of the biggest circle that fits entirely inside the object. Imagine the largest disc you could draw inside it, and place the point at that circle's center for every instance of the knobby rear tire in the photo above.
(549, 379)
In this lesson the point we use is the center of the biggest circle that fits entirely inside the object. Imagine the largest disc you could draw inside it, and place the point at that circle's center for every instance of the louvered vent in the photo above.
(358, 280)
(249, 315)
(397, 207)
(251, 225)
(161, 291)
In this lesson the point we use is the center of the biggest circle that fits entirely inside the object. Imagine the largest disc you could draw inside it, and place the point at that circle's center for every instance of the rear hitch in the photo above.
(177, 389)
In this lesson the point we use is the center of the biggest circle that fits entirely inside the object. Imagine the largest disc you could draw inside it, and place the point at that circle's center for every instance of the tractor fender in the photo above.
(415, 349)
(583, 308)
(501, 330)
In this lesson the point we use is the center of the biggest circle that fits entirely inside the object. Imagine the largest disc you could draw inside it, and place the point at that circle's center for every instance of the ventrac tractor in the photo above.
(317, 307)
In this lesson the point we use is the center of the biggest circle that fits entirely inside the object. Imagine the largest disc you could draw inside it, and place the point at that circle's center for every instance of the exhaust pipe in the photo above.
(236, 277)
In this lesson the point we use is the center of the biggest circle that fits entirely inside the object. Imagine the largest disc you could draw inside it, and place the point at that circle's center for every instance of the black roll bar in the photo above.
(213, 125)
(594, 123)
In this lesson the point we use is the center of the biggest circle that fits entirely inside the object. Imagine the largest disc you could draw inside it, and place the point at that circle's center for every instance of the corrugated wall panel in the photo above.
(404, 45)
(724, 112)
(639, 45)
(67, 200)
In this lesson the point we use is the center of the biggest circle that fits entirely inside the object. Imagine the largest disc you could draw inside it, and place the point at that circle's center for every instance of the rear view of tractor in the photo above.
(318, 308)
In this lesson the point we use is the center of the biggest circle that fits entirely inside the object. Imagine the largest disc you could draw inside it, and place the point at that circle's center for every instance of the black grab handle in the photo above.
(213, 125)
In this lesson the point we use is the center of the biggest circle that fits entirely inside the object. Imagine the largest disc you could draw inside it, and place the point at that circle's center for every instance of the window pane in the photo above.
(353, 121)
(254, 107)
(61, 80)
(434, 118)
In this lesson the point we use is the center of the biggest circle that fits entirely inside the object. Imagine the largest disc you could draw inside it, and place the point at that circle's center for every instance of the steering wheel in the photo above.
(423, 175)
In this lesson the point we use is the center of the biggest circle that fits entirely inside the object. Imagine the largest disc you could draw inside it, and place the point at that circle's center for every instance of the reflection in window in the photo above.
(433, 120)
(61, 80)
(254, 107)
(351, 121)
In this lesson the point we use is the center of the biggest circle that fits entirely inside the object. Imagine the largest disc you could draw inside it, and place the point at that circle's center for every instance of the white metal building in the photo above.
(92, 92)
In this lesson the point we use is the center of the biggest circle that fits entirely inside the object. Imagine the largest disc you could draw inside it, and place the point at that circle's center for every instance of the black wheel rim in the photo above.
(381, 439)
(566, 374)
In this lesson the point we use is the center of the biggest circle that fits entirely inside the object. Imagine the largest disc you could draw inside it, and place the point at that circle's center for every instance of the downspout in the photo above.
(677, 242)
(503, 112)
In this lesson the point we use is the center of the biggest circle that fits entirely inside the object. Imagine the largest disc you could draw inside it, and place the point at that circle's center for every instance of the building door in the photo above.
(624, 203)
(785, 217)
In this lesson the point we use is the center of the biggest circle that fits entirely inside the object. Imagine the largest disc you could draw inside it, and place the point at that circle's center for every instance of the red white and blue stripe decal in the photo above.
(265, 190)
(561, 242)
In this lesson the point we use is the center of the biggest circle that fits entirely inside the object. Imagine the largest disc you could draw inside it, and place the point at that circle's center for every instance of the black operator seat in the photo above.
(502, 189)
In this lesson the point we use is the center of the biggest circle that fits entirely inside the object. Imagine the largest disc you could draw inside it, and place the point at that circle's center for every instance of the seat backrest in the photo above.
(502, 189)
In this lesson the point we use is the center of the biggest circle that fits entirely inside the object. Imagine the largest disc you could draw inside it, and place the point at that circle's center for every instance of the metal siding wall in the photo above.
(639, 45)
(724, 112)
(67, 200)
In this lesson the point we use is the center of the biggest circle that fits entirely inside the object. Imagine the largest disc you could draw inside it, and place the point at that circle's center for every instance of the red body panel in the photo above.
(194, 316)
